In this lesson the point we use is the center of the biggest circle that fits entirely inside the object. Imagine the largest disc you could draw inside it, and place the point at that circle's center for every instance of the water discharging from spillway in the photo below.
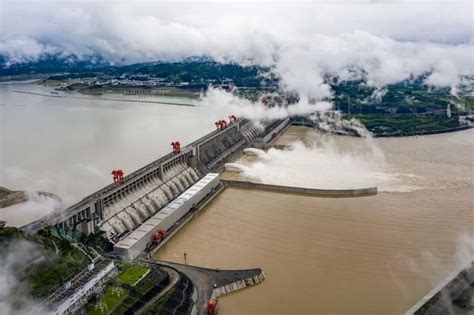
(254, 152)
(376, 254)
(235, 167)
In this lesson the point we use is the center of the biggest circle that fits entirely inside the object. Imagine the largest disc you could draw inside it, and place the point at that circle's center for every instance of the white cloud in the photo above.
(226, 103)
(389, 41)
(16, 256)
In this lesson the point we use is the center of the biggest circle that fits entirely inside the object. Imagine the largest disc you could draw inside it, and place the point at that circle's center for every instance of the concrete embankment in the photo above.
(441, 298)
(254, 277)
(212, 283)
(333, 193)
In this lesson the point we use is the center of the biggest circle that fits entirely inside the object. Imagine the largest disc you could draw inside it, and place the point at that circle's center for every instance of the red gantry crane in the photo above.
(176, 147)
(117, 176)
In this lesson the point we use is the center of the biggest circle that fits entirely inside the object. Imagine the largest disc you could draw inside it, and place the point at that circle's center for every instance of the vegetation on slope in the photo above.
(132, 274)
(110, 299)
(149, 282)
(386, 124)
(48, 264)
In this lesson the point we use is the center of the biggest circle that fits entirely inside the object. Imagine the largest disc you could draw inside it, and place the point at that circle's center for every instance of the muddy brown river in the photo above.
(375, 255)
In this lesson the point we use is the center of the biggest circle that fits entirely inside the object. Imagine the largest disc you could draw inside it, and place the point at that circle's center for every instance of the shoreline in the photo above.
(392, 135)
(424, 133)
(104, 99)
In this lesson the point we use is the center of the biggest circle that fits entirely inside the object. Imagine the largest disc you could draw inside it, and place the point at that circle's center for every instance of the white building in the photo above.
(77, 291)
(137, 241)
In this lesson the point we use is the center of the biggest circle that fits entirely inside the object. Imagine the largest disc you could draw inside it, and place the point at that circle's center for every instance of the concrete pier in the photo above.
(212, 283)
(251, 280)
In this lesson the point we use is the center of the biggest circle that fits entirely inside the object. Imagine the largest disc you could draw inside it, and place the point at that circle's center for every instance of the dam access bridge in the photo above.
(122, 207)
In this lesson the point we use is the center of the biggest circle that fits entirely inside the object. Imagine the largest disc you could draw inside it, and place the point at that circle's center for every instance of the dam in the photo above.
(123, 207)
(133, 211)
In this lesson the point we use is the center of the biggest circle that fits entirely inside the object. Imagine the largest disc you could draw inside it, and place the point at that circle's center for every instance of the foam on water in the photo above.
(317, 166)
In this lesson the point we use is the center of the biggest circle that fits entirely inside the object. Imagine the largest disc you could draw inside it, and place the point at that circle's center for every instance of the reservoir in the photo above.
(68, 144)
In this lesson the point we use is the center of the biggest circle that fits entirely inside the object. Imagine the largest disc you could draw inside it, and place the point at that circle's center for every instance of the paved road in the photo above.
(205, 279)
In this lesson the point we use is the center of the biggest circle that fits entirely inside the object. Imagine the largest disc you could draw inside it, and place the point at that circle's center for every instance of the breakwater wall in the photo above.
(247, 281)
(212, 283)
(331, 193)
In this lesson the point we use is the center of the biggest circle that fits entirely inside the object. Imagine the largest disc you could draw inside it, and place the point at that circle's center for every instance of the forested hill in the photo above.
(193, 70)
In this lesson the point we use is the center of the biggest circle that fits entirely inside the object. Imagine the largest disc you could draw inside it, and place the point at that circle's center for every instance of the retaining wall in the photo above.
(334, 193)
(238, 285)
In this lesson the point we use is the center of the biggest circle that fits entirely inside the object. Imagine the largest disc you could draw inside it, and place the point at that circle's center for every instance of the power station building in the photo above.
(139, 239)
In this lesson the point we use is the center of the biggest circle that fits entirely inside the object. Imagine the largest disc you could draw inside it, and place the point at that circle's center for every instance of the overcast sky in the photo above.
(389, 40)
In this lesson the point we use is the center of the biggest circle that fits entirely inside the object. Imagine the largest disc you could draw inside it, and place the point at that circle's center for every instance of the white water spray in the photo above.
(254, 152)
(236, 167)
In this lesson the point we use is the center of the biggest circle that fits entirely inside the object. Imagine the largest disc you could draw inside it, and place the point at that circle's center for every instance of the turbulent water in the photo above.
(375, 254)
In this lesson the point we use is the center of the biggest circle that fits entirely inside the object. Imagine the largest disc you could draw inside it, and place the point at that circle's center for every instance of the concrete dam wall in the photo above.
(120, 208)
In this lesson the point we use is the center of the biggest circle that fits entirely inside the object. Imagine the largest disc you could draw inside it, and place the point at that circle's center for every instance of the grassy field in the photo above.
(111, 298)
(132, 274)
(47, 82)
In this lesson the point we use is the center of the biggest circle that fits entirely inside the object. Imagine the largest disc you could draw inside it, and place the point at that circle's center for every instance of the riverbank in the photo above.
(402, 125)
(353, 133)
(424, 133)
